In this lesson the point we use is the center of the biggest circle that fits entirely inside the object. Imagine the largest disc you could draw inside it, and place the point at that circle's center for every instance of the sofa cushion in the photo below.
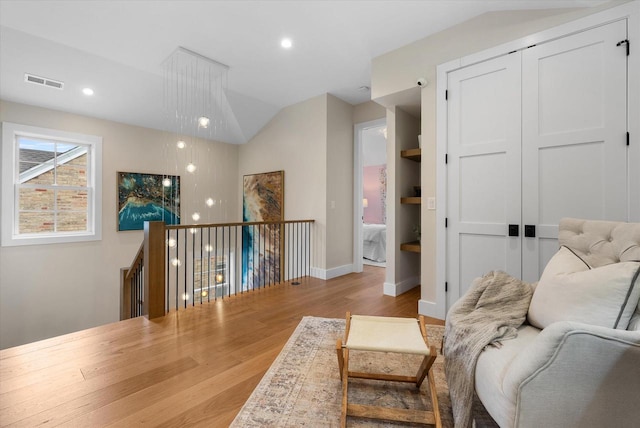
(570, 290)
(601, 243)
(492, 365)
(634, 324)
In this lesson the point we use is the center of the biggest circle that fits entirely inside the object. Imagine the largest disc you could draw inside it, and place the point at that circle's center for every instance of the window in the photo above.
(51, 186)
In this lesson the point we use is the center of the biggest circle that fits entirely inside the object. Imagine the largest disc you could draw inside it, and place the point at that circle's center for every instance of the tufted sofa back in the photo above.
(599, 242)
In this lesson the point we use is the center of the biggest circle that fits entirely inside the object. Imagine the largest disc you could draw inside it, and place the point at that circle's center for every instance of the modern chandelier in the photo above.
(197, 108)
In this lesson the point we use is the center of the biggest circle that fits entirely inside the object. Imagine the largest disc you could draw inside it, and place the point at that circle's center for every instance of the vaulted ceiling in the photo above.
(117, 48)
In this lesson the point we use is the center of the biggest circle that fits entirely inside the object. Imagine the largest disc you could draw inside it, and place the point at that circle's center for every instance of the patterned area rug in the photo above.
(302, 387)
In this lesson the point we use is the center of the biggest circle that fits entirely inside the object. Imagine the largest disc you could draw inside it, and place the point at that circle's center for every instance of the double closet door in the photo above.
(534, 136)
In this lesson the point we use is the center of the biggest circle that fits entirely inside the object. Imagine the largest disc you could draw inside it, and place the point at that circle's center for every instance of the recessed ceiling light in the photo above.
(286, 43)
(87, 91)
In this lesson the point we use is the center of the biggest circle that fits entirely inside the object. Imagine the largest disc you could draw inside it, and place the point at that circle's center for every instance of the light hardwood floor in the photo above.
(192, 368)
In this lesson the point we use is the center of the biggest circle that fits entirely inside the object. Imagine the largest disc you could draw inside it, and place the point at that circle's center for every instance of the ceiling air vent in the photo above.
(31, 78)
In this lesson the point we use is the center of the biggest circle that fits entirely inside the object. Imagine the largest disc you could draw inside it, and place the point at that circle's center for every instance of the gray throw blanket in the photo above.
(492, 310)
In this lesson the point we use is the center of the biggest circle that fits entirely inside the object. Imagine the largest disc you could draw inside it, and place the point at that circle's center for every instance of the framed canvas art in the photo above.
(262, 200)
(147, 197)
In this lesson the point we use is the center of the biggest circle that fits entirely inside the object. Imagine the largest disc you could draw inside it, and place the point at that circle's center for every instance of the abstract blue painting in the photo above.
(147, 197)
(262, 200)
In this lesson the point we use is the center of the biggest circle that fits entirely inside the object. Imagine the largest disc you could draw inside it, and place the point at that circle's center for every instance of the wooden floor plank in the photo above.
(194, 367)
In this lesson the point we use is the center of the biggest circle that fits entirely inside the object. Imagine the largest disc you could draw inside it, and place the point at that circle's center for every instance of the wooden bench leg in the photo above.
(434, 399)
(345, 386)
(427, 362)
(339, 352)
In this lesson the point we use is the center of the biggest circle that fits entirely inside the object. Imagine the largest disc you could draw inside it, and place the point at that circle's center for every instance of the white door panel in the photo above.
(483, 171)
(485, 200)
(573, 135)
(571, 184)
(481, 253)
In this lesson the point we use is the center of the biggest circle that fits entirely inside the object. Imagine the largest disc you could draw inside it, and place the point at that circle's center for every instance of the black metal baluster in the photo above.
(265, 250)
(194, 268)
(244, 269)
(186, 242)
(168, 267)
(253, 257)
(264, 255)
(141, 292)
(271, 255)
(308, 249)
(289, 252)
(296, 238)
(235, 258)
(226, 264)
(209, 248)
(193, 232)
(176, 266)
(215, 264)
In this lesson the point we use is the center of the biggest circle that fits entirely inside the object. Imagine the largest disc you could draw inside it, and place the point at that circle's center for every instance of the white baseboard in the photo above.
(430, 309)
(401, 287)
(331, 273)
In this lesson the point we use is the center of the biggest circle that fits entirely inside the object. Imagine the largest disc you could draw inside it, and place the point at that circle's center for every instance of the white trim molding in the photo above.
(401, 287)
(331, 273)
(430, 309)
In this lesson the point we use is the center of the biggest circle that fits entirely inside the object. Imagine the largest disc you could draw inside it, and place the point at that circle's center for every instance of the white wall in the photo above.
(368, 111)
(312, 141)
(49, 290)
(339, 185)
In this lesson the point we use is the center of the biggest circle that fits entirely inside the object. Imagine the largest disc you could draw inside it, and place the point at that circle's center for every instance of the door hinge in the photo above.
(446, 94)
(624, 42)
(446, 158)
(627, 138)
(446, 222)
(446, 286)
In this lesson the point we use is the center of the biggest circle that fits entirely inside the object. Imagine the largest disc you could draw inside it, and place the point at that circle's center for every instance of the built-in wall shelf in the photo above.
(413, 246)
(412, 154)
(414, 200)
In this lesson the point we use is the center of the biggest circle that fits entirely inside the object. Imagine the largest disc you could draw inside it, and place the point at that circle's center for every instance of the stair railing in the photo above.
(185, 265)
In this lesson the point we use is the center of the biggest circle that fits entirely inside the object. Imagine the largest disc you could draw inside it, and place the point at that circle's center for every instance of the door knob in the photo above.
(529, 231)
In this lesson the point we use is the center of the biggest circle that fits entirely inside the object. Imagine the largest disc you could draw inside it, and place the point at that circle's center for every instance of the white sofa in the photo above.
(569, 373)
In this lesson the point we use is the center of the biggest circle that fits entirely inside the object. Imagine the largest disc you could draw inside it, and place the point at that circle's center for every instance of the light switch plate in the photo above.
(431, 203)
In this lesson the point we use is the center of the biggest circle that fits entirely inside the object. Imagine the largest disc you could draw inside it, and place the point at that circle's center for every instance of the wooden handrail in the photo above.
(246, 223)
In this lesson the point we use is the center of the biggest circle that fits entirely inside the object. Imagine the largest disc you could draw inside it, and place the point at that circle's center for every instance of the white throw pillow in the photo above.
(569, 290)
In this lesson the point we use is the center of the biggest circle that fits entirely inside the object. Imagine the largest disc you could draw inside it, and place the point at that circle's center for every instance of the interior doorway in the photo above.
(370, 203)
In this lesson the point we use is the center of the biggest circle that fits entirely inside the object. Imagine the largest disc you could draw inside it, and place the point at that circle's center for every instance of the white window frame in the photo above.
(9, 235)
